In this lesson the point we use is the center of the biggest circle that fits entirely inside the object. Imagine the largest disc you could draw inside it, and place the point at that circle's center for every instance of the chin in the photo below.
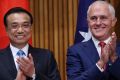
(20, 42)
(98, 35)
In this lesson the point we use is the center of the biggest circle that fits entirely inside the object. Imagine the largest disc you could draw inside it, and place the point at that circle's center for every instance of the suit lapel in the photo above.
(9, 63)
(92, 51)
(32, 51)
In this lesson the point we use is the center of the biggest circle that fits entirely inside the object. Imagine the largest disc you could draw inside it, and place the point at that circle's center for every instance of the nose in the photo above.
(20, 30)
(98, 21)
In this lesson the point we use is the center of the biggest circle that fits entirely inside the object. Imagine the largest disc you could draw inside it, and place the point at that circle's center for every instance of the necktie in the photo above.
(20, 53)
(102, 45)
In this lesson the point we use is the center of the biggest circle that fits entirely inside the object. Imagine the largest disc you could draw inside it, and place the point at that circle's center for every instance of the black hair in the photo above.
(17, 10)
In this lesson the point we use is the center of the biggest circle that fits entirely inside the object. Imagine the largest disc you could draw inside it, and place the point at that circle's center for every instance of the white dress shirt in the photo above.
(98, 47)
(15, 50)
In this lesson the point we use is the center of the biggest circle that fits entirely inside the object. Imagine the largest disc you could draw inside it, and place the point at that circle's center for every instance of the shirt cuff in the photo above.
(101, 69)
(33, 76)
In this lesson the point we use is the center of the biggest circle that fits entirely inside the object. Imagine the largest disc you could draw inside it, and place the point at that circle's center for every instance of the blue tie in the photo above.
(20, 53)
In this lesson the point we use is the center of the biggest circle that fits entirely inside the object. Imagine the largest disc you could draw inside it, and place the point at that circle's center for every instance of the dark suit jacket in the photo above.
(81, 63)
(45, 64)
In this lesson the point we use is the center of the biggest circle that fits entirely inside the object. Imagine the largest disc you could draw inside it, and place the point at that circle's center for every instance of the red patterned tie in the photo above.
(102, 45)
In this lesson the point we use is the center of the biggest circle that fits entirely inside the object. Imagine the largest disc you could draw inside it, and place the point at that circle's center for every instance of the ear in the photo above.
(7, 31)
(88, 22)
(114, 21)
(6, 28)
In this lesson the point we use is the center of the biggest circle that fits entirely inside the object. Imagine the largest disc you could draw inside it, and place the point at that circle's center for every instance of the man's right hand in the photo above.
(20, 75)
(104, 58)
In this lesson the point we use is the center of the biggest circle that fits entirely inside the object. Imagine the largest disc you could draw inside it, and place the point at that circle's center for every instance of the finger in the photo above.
(19, 61)
(20, 76)
(110, 45)
(31, 60)
(114, 37)
(22, 68)
(25, 60)
(21, 64)
(30, 57)
(114, 34)
(106, 51)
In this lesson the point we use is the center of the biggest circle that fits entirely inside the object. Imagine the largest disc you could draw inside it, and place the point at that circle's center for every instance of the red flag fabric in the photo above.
(5, 5)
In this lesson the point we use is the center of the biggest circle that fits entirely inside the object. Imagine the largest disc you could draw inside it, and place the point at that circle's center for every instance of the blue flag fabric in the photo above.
(82, 25)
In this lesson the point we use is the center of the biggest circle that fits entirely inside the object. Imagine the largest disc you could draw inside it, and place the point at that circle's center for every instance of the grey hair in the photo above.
(111, 8)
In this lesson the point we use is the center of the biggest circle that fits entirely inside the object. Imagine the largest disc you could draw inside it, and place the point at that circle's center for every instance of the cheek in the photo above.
(28, 33)
(109, 27)
(91, 25)
(11, 32)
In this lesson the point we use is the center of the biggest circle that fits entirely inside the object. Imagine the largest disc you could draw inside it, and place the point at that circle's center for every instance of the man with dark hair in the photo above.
(99, 57)
(17, 10)
(20, 61)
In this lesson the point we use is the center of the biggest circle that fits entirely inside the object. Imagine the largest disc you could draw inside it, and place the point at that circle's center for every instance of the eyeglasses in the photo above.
(15, 25)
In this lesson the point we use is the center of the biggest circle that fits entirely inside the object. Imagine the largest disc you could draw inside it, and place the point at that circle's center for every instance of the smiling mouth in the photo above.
(99, 29)
(19, 36)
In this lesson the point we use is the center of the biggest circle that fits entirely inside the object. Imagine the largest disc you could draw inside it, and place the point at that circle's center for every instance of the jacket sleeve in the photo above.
(45, 65)
(76, 70)
(53, 71)
(114, 69)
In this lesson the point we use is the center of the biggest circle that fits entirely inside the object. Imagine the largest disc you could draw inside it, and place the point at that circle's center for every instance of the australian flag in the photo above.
(82, 31)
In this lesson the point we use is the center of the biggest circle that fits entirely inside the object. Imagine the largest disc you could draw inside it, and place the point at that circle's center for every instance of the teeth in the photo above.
(100, 28)
(19, 37)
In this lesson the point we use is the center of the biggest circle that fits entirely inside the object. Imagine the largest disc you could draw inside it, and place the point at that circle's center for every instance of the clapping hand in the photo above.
(112, 44)
(20, 75)
(26, 65)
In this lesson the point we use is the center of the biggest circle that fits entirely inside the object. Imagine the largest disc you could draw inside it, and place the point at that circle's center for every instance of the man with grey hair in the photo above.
(98, 58)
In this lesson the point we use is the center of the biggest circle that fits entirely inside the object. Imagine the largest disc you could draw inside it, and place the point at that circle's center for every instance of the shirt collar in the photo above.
(15, 50)
(96, 42)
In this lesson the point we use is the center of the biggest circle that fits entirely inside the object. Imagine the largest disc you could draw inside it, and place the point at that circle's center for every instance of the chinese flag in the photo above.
(5, 5)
